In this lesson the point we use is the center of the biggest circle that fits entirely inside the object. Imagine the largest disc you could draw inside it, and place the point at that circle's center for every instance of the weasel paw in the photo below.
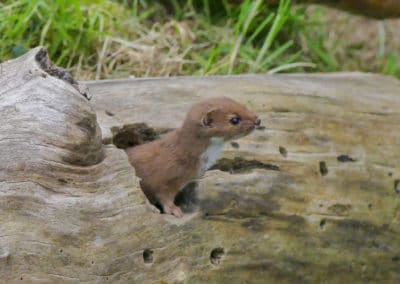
(173, 210)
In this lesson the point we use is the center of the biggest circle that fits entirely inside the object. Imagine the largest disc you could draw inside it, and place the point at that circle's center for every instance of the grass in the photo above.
(108, 39)
(338, 41)
(70, 29)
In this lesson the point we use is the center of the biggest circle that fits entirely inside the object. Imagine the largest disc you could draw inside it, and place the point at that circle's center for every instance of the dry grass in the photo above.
(192, 45)
(156, 51)
(339, 41)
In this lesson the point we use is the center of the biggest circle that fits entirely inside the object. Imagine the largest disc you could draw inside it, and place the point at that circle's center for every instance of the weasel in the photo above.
(167, 165)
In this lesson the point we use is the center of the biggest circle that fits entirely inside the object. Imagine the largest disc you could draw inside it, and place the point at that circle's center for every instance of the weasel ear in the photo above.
(207, 119)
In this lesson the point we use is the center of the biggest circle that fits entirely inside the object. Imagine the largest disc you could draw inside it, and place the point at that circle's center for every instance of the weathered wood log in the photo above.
(313, 197)
(69, 207)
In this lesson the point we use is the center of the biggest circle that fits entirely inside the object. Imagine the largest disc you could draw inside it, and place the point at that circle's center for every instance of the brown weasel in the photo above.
(167, 165)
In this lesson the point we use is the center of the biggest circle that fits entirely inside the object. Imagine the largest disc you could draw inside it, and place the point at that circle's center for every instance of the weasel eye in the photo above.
(235, 120)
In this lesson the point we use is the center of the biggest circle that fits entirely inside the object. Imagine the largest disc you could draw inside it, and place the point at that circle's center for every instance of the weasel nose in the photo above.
(257, 122)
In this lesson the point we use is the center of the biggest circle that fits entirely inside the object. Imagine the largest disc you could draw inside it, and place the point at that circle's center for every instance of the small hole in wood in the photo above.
(109, 113)
(345, 158)
(397, 186)
(322, 223)
(323, 169)
(148, 255)
(235, 144)
(216, 255)
(283, 151)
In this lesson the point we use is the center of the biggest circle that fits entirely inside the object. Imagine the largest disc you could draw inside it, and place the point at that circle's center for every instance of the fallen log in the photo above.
(312, 197)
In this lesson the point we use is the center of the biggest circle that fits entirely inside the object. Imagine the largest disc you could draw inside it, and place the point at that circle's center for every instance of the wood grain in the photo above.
(71, 210)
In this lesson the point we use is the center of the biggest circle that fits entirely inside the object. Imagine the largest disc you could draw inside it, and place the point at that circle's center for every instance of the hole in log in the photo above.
(323, 169)
(134, 134)
(216, 255)
(148, 255)
(61, 180)
(322, 224)
(345, 158)
(283, 151)
(397, 186)
(235, 144)
(109, 113)
(206, 216)
(239, 165)
(187, 198)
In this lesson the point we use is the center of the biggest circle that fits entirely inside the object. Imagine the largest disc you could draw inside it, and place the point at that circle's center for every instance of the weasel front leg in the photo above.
(167, 203)
(171, 208)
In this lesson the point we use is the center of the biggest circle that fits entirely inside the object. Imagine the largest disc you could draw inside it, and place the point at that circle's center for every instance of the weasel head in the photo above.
(221, 118)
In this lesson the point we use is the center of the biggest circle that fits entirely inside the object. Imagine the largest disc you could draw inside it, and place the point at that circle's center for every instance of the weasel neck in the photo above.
(190, 144)
(200, 151)
(211, 154)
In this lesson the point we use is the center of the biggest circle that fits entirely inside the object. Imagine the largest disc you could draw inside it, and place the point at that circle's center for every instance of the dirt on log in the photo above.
(312, 197)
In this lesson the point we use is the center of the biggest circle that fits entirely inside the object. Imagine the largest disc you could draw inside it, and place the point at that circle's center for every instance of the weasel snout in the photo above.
(257, 121)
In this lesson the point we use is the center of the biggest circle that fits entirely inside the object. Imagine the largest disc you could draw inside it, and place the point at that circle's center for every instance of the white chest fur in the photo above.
(211, 155)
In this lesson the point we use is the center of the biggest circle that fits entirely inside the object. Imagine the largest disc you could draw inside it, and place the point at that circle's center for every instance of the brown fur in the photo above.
(166, 165)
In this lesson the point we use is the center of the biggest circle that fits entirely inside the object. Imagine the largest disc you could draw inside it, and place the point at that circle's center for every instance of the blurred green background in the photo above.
(112, 39)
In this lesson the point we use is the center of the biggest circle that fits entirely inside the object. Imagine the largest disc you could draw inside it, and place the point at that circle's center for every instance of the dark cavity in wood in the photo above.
(240, 165)
(397, 186)
(135, 134)
(323, 169)
(216, 255)
(345, 158)
(187, 199)
(283, 151)
(235, 144)
(148, 255)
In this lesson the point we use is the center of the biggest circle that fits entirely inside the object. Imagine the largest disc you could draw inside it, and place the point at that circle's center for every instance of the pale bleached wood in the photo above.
(296, 224)
(71, 210)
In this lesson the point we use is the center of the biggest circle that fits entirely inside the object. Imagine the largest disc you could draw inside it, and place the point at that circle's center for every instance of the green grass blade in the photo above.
(280, 19)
